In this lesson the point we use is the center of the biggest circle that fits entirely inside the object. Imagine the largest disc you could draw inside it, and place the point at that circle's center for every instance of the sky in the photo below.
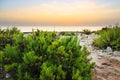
(59, 12)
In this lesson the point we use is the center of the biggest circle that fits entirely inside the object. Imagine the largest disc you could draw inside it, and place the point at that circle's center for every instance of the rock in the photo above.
(86, 36)
(7, 75)
(99, 67)
(99, 57)
(100, 78)
(116, 53)
(117, 58)
(110, 53)
(102, 72)
(82, 36)
(108, 49)
(113, 78)
(82, 43)
(107, 64)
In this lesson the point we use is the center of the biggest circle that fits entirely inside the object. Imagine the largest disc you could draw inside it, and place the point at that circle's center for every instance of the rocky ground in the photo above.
(107, 61)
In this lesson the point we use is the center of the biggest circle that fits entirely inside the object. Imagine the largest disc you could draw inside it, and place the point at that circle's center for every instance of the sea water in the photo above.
(55, 28)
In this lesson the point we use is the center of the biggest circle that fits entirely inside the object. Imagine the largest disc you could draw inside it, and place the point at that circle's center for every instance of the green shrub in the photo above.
(86, 31)
(67, 33)
(103, 29)
(1, 56)
(62, 33)
(6, 36)
(109, 37)
(46, 56)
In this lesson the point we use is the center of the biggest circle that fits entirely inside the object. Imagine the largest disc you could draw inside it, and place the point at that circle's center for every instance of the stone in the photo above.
(86, 36)
(117, 58)
(101, 55)
(110, 53)
(116, 53)
(7, 75)
(107, 64)
(108, 49)
(100, 78)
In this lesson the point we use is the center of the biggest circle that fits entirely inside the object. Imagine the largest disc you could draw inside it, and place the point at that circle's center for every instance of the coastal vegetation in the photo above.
(6, 36)
(43, 56)
(86, 31)
(108, 37)
(67, 33)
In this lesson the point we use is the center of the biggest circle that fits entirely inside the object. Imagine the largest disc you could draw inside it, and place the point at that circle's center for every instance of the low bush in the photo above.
(6, 36)
(109, 37)
(103, 29)
(86, 31)
(67, 33)
(46, 56)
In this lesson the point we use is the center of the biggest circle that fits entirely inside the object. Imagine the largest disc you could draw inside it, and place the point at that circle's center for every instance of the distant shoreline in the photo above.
(28, 29)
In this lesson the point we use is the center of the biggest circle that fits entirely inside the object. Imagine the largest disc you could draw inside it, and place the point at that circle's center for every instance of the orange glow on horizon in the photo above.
(73, 13)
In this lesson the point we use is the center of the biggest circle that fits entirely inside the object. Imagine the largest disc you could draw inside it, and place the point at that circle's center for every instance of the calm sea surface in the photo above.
(55, 28)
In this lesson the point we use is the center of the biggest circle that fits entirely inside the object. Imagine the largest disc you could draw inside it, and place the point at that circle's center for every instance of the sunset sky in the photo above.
(60, 12)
